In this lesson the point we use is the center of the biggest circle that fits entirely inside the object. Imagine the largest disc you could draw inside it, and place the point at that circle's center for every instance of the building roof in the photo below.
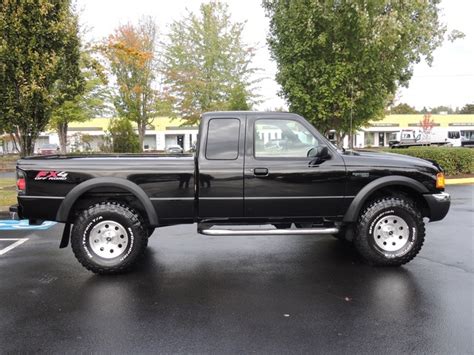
(414, 120)
(101, 123)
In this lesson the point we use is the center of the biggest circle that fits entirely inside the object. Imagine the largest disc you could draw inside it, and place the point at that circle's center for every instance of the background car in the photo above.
(46, 149)
(174, 149)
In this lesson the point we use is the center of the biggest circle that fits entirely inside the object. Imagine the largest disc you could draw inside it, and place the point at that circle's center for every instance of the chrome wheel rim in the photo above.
(108, 239)
(391, 233)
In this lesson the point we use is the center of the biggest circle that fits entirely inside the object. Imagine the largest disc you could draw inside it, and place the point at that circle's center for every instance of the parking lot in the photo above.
(282, 294)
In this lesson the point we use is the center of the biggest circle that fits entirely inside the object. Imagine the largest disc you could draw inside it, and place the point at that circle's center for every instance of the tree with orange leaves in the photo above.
(427, 124)
(131, 54)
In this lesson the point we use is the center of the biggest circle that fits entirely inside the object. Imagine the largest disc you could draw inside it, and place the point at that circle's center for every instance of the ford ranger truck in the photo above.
(249, 169)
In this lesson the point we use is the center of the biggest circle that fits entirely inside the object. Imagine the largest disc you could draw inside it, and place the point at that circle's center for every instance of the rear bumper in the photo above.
(438, 205)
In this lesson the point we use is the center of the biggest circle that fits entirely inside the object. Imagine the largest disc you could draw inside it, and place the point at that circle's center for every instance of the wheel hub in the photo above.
(108, 239)
(391, 233)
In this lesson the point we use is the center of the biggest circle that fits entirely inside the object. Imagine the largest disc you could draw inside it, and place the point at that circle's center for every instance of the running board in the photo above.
(298, 231)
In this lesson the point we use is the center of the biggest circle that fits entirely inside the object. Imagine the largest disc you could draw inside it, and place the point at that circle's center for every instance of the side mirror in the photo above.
(319, 154)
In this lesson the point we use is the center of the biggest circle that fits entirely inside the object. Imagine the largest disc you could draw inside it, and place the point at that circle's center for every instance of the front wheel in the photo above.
(108, 238)
(390, 232)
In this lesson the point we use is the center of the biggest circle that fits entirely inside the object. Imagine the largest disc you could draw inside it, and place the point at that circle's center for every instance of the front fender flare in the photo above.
(356, 205)
(66, 206)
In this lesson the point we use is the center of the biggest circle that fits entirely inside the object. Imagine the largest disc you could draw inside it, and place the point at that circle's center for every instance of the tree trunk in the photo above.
(340, 139)
(27, 144)
(15, 142)
(62, 134)
(141, 134)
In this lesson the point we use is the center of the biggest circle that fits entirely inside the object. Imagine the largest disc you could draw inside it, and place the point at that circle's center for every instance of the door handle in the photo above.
(260, 172)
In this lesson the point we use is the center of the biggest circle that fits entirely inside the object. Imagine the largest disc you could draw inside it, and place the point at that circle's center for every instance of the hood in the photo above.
(390, 160)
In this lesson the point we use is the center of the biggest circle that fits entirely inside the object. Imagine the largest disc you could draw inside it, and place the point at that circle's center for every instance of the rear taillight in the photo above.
(20, 181)
(21, 184)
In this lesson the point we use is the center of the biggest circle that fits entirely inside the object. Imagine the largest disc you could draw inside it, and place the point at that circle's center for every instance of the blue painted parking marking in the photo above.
(9, 225)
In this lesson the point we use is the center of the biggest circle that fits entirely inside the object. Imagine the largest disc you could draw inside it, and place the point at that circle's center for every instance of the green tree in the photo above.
(441, 109)
(402, 109)
(343, 59)
(131, 53)
(121, 137)
(91, 101)
(86, 141)
(238, 99)
(39, 65)
(207, 66)
(468, 109)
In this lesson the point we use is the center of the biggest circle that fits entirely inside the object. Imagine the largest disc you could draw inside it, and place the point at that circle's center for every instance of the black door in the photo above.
(281, 181)
(221, 161)
(381, 139)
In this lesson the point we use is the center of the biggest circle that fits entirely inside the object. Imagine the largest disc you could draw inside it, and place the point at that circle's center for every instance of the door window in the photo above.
(282, 138)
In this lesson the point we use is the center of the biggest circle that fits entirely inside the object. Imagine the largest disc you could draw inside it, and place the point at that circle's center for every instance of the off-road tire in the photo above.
(136, 236)
(374, 216)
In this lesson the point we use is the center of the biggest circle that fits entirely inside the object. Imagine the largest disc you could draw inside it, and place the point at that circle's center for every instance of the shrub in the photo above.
(121, 138)
(454, 161)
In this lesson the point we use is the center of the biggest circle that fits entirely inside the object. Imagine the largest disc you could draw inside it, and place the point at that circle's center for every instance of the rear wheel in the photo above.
(108, 238)
(390, 232)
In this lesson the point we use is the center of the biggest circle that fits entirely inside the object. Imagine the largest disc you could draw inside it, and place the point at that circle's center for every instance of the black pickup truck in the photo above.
(252, 174)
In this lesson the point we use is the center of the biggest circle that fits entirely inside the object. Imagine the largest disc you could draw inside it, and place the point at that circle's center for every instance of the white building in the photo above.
(164, 132)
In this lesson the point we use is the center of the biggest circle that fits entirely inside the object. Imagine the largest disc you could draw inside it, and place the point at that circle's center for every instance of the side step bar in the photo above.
(298, 231)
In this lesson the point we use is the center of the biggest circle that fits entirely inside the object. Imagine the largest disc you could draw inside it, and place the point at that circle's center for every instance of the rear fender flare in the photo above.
(395, 180)
(71, 198)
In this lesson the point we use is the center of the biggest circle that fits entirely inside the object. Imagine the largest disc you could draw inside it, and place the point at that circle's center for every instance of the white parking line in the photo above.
(19, 241)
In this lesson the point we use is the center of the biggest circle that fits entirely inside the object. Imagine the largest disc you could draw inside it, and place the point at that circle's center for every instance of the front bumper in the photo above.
(438, 205)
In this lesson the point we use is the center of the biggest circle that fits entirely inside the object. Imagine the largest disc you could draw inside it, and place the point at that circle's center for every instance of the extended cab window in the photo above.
(282, 138)
(223, 139)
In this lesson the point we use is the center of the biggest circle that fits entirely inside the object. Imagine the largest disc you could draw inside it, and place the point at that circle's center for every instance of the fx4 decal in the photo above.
(51, 175)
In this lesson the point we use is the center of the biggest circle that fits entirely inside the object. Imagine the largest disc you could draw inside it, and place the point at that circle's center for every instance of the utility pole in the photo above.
(351, 136)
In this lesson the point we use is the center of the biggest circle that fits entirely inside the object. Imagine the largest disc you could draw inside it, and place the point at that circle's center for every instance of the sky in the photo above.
(449, 81)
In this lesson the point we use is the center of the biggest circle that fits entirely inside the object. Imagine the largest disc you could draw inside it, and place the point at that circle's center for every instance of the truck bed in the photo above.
(107, 155)
(168, 180)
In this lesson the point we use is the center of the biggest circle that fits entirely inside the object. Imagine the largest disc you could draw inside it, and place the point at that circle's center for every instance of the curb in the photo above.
(460, 181)
(4, 214)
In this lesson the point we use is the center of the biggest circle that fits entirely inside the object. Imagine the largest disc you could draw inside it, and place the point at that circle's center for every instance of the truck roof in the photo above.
(248, 113)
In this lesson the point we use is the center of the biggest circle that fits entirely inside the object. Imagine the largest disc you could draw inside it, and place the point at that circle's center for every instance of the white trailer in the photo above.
(438, 136)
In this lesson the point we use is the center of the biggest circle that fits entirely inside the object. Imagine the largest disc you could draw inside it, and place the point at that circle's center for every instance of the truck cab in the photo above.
(267, 167)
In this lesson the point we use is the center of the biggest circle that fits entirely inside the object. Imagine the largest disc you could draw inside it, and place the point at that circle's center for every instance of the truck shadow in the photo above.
(320, 273)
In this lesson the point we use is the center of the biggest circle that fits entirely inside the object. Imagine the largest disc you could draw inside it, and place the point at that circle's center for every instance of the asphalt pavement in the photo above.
(279, 294)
